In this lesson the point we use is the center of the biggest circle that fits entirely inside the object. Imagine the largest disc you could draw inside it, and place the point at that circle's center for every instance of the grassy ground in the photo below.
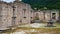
(36, 30)
(32, 30)
(42, 25)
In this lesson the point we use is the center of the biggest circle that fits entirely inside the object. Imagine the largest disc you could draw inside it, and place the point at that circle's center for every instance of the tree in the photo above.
(50, 4)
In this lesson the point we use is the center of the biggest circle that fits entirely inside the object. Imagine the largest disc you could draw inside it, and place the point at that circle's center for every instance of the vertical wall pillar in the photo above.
(14, 17)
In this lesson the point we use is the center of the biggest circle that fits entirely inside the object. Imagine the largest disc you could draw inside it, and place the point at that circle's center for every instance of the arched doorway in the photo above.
(36, 19)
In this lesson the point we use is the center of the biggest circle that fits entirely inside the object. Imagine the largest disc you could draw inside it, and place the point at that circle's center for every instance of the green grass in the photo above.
(37, 30)
(43, 26)
(41, 29)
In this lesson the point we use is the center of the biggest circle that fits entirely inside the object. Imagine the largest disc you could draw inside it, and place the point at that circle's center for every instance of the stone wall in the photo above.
(23, 12)
(46, 15)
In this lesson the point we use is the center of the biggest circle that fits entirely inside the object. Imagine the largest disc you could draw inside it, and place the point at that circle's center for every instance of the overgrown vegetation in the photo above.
(39, 4)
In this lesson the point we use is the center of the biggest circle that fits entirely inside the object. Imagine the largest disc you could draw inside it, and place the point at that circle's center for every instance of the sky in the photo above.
(9, 0)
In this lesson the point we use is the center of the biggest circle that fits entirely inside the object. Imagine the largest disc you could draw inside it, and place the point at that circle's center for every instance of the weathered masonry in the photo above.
(17, 12)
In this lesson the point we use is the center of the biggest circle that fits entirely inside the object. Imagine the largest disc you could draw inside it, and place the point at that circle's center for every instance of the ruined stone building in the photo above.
(14, 13)
(17, 12)
(46, 15)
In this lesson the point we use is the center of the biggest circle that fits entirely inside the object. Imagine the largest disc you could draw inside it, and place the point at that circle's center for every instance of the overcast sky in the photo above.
(8, 0)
